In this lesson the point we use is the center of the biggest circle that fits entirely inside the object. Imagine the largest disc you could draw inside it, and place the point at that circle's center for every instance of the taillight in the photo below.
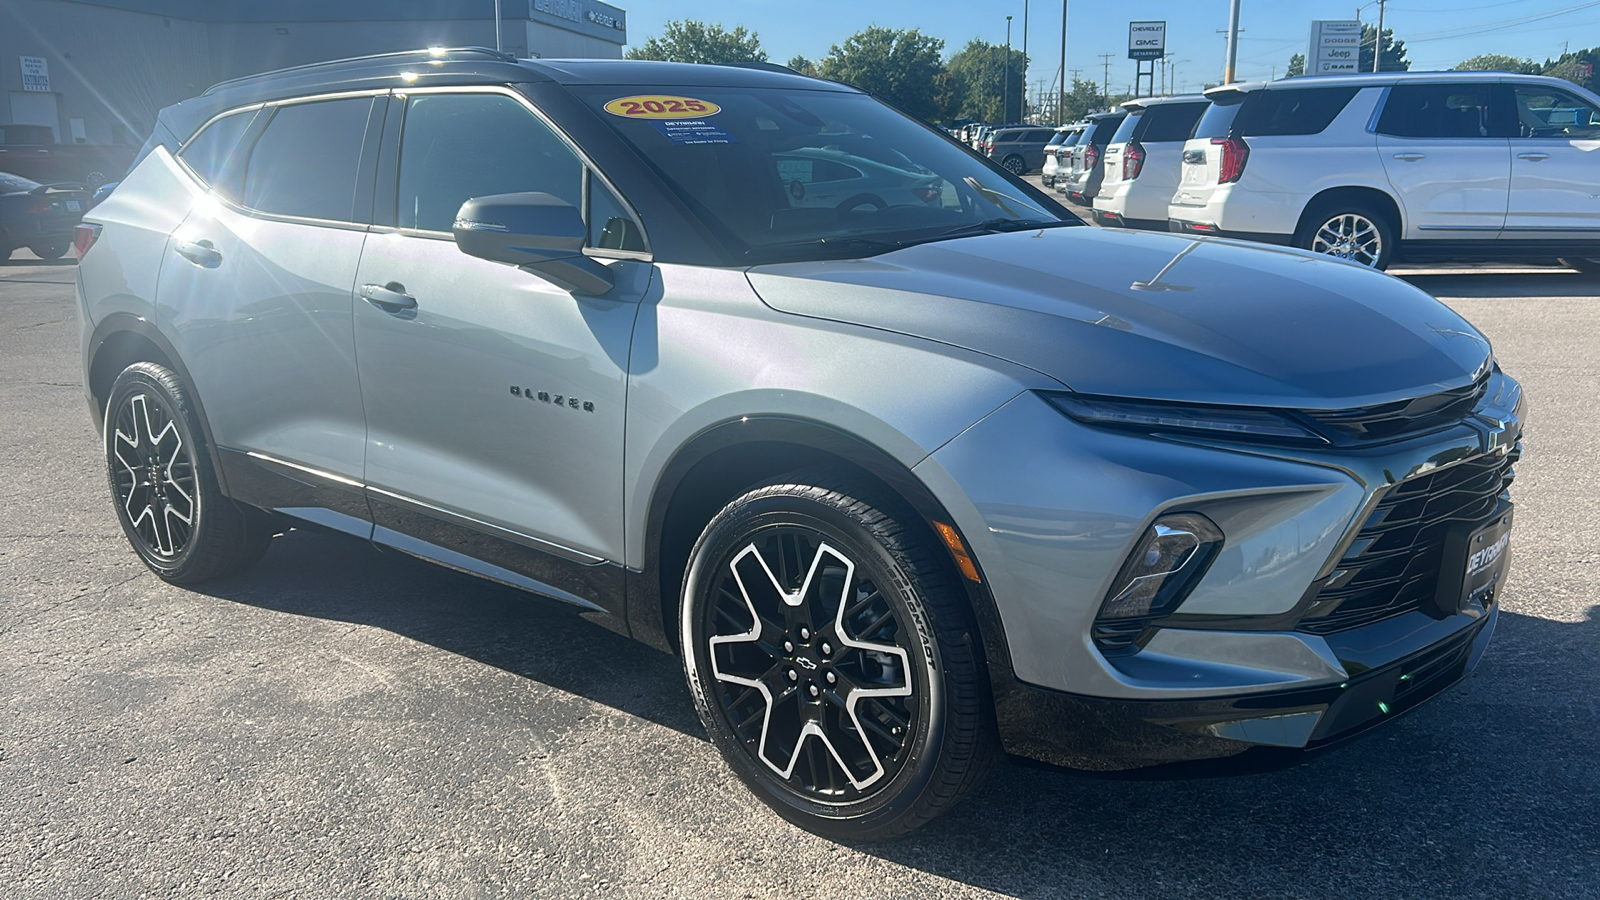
(1235, 152)
(1091, 157)
(1132, 161)
(39, 206)
(83, 237)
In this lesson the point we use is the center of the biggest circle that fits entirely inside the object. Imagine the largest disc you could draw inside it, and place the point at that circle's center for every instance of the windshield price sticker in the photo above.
(655, 106)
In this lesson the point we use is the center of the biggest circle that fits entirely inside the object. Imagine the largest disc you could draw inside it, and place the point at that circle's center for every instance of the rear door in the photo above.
(1446, 152)
(255, 291)
(1555, 165)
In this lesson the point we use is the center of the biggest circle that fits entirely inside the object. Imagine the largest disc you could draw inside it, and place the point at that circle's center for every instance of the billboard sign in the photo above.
(1147, 40)
(1335, 47)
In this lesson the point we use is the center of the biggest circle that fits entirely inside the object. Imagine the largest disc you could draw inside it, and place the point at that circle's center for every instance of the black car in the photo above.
(39, 216)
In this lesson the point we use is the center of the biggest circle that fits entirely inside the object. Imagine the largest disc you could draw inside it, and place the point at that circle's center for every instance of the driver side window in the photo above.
(1552, 113)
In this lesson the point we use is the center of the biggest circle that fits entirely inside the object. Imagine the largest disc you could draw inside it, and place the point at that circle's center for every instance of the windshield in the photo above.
(783, 174)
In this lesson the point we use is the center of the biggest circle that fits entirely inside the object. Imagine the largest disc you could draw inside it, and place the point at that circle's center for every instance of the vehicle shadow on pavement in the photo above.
(31, 260)
(1445, 802)
(337, 577)
(1554, 283)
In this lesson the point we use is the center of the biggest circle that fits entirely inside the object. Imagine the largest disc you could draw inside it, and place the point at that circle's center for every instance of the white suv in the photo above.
(1367, 167)
(1141, 162)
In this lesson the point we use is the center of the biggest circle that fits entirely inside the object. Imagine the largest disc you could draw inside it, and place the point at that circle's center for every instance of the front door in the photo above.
(495, 400)
(1555, 166)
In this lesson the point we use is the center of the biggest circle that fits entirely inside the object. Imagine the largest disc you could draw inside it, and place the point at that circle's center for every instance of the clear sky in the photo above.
(1438, 33)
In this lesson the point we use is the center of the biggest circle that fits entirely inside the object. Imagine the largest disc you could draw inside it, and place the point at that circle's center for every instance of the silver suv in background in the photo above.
(906, 478)
(1141, 161)
(1421, 165)
(1083, 178)
(1019, 150)
(1057, 153)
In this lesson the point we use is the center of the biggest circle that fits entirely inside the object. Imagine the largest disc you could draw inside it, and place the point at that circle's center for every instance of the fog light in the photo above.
(1163, 568)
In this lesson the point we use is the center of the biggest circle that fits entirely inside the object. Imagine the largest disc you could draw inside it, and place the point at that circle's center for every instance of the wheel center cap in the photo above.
(806, 662)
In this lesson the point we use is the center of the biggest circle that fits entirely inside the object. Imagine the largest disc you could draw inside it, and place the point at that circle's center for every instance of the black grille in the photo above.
(1387, 421)
(1393, 565)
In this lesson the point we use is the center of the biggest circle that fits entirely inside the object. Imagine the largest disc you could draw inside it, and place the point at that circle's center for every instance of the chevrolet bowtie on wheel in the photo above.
(908, 467)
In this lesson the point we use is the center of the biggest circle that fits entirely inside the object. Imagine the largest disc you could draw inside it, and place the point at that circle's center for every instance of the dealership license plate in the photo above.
(1484, 555)
(73, 206)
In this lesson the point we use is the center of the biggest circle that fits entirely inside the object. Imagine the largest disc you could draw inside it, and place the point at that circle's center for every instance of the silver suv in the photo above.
(905, 479)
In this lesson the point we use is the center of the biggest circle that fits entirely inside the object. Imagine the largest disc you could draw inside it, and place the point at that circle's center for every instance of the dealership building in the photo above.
(98, 71)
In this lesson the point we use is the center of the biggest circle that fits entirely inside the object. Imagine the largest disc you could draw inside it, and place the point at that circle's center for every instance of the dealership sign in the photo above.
(1335, 47)
(1147, 40)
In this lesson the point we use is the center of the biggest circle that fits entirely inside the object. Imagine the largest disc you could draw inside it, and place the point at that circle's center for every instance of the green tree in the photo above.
(696, 42)
(1394, 52)
(1496, 62)
(978, 70)
(1297, 66)
(898, 66)
(1572, 66)
(803, 66)
(1082, 98)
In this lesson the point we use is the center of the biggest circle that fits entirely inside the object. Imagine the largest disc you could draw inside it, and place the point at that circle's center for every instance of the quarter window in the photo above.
(305, 163)
(1294, 111)
(1217, 120)
(1170, 122)
(1439, 111)
(458, 146)
(209, 153)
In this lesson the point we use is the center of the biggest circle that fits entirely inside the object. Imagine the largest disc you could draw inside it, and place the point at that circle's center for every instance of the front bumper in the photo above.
(1097, 733)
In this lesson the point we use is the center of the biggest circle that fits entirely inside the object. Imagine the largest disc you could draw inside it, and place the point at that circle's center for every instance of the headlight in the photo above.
(1163, 568)
(1238, 422)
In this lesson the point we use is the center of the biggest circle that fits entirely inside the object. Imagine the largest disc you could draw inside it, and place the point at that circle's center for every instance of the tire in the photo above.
(1353, 231)
(1587, 266)
(856, 763)
(164, 487)
(53, 250)
(1015, 165)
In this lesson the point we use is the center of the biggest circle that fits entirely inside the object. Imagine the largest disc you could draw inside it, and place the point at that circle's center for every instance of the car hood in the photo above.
(1154, 316)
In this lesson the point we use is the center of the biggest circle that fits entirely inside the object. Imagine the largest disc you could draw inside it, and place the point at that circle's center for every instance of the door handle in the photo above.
(391, 297)
(201, 253)
(1410, 157)
(1533, 157)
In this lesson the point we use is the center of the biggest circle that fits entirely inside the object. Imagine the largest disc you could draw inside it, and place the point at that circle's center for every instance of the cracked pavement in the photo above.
(341, 721)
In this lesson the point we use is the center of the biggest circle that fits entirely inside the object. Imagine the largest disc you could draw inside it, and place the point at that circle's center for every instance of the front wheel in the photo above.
(1015, 165)
(1348, 231)
(164, 487)
(833, 661)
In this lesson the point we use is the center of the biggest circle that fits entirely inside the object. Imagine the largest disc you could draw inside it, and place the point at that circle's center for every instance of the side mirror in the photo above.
(533, 231)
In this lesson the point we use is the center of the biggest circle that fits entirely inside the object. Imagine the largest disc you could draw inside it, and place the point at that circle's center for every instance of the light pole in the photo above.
(1061, 97)
(497, 24)
(1377, 41)
(1233, 42)
(1023, 111)
(1005, 83)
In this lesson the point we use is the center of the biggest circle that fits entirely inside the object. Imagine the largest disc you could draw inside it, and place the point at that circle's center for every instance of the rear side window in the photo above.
(1041, 134)
(209, 153)
(458, 146)
(1170, 122)
(1125, 131)
(1439, 111)
(1056, 141)
(306, 160)
(1217, 121)
(1101, 131)
(1293, 111)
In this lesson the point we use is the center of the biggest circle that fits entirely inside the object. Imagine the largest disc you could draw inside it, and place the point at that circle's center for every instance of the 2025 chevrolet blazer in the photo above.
(907, 479)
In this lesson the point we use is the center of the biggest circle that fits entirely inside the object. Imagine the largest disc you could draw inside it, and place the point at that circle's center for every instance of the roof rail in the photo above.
(759, 65)
(397, 56)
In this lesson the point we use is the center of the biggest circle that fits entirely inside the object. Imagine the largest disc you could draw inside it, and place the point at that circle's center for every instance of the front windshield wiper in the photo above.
(996, 226)
(829, 245)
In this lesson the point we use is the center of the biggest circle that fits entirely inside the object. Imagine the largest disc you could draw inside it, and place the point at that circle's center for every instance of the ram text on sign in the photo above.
(1335, 47)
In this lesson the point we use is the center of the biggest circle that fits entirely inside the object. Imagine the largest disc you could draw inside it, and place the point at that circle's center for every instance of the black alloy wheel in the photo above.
(52, 250)
(1015, 166)
(163, 485)
(833, 662)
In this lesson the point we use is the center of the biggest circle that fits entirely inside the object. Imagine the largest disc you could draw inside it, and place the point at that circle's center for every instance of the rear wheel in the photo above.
(833, 661)
(52, 250)
(1588, 266)
(164, 487)
(1352, 231)
(1015, 165)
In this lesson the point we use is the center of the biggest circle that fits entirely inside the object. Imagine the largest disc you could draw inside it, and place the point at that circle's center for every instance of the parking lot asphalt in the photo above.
(346, 722)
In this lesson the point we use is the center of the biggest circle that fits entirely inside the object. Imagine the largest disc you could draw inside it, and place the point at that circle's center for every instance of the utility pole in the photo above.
(496, 24)
(1105, 82)
(1377, 41)
(1005, 85)
(1061, 99)
(1233, 42)
(1023, 113)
